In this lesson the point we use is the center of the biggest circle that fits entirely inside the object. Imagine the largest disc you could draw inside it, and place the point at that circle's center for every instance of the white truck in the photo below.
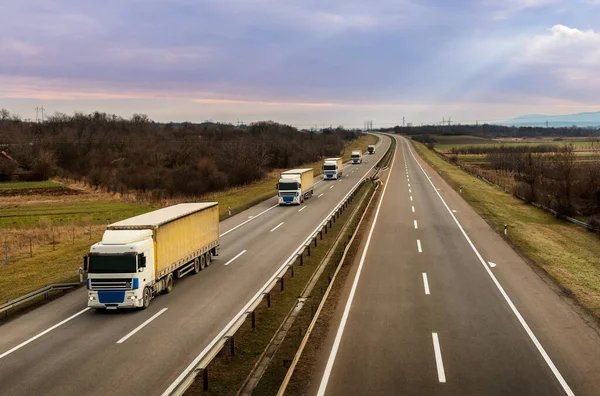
(139, 257)
(295, 186)
(356, 157)
(332, 168)
(371, 149)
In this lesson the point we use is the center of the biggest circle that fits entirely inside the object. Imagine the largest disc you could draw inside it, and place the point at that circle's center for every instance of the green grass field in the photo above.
(27, 185)
(568, 253)
(68, 213)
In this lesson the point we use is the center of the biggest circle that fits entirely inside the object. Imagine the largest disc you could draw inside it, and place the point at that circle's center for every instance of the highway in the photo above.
(63, 348)
(438, 304)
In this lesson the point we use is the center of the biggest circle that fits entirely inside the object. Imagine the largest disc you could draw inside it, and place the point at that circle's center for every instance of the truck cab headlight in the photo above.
(92, 298)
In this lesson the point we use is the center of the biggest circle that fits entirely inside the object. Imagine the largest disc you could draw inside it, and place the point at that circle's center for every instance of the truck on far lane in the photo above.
(295, 186)
(371, 149)
(332, 168)
(140, 257)
(356, 157)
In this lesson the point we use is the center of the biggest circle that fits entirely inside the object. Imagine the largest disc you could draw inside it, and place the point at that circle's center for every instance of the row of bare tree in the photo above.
(166, 159)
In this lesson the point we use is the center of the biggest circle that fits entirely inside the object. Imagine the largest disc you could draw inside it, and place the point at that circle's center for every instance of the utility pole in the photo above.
(403, 121)
(39, 109)
(546, 123)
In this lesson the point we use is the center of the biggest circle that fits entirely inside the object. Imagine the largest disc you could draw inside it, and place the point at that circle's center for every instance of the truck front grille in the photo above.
(288, 194)
(110, 284)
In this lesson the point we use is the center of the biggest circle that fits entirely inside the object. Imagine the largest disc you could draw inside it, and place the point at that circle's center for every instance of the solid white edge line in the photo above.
(21, 345)
(416, 226)
(419, 246)
(512, 306)
(277, 226)
(302, 208)
(247, 221)
(438, 357)
(236, 257)
(156, 315)
(236, 317)
(340, 331)
(425, 283)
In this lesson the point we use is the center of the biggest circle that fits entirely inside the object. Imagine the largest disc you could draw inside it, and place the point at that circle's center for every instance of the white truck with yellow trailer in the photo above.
(295, 186)
(140, 257)
(332, 168)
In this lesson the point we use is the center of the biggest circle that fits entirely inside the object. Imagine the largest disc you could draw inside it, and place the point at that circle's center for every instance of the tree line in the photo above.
(495, 131)
(174, 159)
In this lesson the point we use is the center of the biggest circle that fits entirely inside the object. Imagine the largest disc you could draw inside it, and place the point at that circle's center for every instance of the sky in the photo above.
(302, 62)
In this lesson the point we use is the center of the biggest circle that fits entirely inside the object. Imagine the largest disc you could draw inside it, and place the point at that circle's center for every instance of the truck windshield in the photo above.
(355, 156)
(112, 264)
(288, 186)
(329, 167)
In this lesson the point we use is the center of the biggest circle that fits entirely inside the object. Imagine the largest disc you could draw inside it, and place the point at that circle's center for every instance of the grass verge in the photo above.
(227, 373)
(566, 252)
(27, 185)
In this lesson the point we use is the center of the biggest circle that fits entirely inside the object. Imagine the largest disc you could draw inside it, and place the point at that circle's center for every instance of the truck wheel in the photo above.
(208, 258)
(196, 265)
(169, 284)
(147, 298)
(202, 263)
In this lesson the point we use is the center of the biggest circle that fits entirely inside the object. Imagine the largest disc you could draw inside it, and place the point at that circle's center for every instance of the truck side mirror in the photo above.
(85, 263)
(142, 261)
(277, 186)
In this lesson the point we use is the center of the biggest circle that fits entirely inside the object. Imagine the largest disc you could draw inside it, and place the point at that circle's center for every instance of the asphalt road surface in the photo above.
(65, 349)
(439, 304)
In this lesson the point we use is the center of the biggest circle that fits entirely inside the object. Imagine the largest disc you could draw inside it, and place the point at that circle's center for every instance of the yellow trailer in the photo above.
(140, 256)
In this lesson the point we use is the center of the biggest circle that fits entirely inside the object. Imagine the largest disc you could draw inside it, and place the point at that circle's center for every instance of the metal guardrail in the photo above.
(200, 364)
(34, 294)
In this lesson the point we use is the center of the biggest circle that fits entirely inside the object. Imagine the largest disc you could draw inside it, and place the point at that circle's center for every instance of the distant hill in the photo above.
(589, 119)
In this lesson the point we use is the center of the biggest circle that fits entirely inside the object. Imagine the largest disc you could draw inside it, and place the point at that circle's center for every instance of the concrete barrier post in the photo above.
(205, 379)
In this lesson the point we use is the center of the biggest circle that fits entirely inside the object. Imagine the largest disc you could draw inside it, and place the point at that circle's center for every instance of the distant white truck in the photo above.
(295, 186)
(140, 257)
(356, 157)
(332, 168)
(371, 149)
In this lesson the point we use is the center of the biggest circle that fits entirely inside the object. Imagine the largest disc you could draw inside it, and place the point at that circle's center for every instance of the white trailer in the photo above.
(141, 256)
(295, 186)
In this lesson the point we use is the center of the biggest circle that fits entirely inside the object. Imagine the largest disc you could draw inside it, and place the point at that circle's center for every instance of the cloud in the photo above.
(564, 46)
(502, 9)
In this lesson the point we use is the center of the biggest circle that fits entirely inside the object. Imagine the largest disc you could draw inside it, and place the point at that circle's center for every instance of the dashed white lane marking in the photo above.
(249, 220)
(140, 327)
(320, 195)
(425, 283)
(277, 226)
(416, 226)
(491, 264)
(236, 257)
(438, 358)
(419, 246)
(413, 209)
(301, 209)
(411, 198)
